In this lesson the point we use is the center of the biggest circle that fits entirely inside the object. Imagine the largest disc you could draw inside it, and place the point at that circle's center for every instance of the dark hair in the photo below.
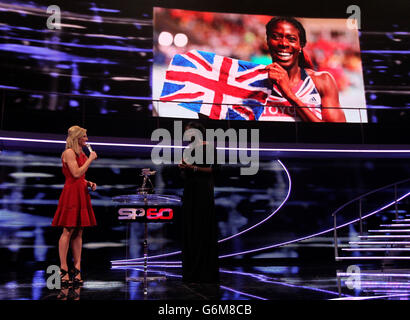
(293, 21)
(304, 61)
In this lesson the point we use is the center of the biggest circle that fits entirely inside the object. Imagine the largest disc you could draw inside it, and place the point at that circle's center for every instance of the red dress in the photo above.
(74, 206)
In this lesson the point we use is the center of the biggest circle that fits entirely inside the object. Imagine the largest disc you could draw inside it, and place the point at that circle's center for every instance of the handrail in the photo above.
(334, 214)
(368, 193)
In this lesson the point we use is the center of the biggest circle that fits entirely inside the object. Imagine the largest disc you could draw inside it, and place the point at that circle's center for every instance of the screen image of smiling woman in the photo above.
(314, 95)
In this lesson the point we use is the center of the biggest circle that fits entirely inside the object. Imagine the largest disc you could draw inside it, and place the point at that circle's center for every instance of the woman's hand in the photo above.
(92, 185)
(184, 165)
(280, 77)
(92, 156)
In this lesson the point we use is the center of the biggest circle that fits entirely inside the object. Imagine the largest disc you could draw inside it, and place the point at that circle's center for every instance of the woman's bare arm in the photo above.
(69, 157)
(327, 87)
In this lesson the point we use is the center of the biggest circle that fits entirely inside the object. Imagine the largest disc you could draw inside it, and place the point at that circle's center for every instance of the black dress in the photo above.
(200, 242)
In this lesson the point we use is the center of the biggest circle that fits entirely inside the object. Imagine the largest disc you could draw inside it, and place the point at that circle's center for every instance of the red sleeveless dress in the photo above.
(74, 206)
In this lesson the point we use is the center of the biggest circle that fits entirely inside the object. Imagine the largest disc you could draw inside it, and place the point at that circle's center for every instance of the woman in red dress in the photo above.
(74, 211)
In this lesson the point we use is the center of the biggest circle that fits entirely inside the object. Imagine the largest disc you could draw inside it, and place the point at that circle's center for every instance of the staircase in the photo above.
(376, 272)
(377, 260)
(380, 268)
(390, 242)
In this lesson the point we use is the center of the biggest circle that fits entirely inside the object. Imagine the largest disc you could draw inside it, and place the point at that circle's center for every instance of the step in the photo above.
(401, 236)
(387, 285)
(380, 242)
(398, 225)
(376, 249)
(390, 292)
(373, 258)
(374, 274)
(390, 230)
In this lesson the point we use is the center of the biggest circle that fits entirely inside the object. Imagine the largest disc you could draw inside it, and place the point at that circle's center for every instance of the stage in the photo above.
(281, 275)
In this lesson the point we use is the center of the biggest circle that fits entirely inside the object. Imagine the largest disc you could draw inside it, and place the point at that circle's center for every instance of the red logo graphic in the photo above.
(149, 213)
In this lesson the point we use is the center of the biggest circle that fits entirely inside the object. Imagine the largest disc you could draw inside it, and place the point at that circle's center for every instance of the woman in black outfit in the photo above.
(200, 242)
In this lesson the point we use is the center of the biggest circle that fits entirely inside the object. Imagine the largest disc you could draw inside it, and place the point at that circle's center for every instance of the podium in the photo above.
(145, 208)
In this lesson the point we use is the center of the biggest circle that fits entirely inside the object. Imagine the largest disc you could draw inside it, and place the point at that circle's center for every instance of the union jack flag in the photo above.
(216, 86)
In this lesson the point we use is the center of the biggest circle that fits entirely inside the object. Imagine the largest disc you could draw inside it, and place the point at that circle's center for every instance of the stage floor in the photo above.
(241, 279)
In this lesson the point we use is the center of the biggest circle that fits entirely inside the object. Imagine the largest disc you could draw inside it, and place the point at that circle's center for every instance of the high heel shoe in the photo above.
(73, 274)
(64, 282)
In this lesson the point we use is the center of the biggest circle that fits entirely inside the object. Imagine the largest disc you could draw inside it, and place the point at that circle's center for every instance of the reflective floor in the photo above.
(267, 278)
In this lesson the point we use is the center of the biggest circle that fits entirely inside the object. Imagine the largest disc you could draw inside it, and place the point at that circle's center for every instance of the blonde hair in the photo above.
(74, 133)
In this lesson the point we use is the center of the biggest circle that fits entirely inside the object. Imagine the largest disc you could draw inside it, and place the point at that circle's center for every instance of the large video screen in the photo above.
(107, 62)
(234, 67)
